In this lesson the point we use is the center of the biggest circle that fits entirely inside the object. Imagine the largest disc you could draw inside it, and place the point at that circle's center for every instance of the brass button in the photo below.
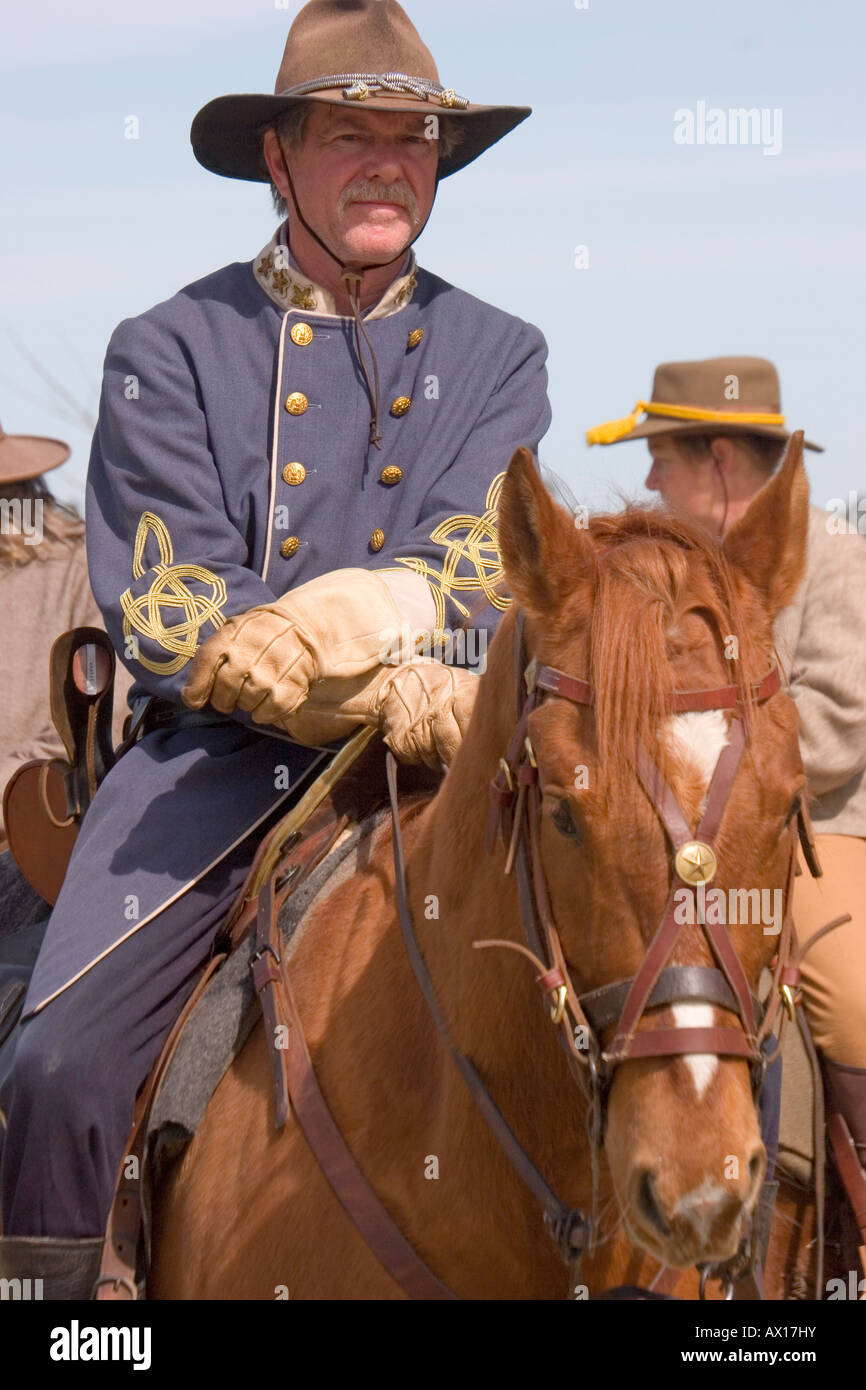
(289, 546)
(302, 334)
(390, 476)
(401, 405)
(377, 540)
(294, 473)
(415, 337)
(296, 403)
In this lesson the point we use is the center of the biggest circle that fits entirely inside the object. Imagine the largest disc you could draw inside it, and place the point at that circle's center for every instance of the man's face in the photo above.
(365, 180)
(687, 485)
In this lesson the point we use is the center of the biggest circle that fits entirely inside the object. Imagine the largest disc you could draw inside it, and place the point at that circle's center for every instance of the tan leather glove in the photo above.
(422, 709)
(265, 660)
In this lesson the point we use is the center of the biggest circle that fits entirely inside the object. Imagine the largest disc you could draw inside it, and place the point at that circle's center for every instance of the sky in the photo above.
(689, 250)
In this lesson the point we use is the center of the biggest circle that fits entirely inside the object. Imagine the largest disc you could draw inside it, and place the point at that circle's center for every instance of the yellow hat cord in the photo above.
(613, 430)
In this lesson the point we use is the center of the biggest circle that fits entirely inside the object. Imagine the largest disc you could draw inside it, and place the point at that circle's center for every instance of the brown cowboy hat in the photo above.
(721, 395)
(24, 456)
(357, 53)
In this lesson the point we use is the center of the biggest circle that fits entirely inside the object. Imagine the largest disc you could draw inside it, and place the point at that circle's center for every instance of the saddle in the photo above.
(46, 799)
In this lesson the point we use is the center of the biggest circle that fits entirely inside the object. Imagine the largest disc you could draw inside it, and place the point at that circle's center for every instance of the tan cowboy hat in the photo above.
(364, 53)
(24, 456)
(721, 395)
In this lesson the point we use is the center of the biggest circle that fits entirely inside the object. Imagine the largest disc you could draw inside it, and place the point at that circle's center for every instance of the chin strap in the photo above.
(352, 273)
(352, 280)
(721, 477)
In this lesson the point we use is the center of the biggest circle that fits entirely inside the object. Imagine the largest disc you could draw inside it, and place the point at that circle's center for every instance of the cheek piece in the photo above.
(351, 273)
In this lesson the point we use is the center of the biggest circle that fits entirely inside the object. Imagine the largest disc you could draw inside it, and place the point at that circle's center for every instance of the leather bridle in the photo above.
(515, 796)
(515, 811)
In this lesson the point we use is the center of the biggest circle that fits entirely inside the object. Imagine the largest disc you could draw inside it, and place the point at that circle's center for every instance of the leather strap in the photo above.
(807, 839)
(270, 983)
(672, 1042)
(644, 981)
(677, 983)
(580, 692)
(850, 1169)
(628, 1042)
(305, 847)
(569, 1227)
(378, 1229)
(722, 781)
(819, 1147)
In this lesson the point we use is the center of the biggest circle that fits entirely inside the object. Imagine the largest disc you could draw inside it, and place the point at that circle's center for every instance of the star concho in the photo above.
(695, 863)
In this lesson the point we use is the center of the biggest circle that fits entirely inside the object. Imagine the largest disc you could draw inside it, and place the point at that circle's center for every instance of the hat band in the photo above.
(613, 430)
(358, 86)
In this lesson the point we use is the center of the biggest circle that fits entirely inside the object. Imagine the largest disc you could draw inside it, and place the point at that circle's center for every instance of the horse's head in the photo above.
(641, 606)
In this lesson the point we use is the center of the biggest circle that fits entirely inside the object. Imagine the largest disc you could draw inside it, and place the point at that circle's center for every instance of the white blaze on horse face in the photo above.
(702, 1065)
(699, 737)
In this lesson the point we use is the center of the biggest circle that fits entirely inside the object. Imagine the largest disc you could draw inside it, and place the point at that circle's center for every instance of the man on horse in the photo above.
(297, 462)
(716, 434)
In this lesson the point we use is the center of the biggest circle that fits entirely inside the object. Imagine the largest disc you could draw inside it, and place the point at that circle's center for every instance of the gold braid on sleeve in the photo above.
(169, 594)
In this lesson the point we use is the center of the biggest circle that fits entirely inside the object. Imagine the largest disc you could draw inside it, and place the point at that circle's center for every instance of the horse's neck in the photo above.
(458, 890)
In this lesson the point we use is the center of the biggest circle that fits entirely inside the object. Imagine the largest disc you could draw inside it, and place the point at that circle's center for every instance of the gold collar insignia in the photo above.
(284, 283)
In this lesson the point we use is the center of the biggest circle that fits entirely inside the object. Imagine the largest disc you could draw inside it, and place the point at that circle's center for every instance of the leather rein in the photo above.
(515, 811)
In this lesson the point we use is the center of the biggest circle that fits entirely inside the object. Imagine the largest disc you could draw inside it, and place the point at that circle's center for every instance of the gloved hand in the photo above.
(265, 660)
(422, 709)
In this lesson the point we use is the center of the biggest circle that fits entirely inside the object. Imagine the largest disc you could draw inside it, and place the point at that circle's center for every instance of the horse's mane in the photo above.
(646, 570)
(646, 573)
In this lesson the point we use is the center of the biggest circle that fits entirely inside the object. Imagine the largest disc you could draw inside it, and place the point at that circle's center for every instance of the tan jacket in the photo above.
(821, 640)
(39, 601)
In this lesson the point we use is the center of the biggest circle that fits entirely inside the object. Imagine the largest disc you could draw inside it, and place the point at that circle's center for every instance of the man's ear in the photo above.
(545, 554)
(767, 546)
(271, 155)
(722, 452)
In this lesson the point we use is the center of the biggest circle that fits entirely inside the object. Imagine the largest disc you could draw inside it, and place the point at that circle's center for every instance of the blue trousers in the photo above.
(79, 1063)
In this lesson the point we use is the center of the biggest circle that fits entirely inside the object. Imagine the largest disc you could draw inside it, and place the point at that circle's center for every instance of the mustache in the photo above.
(368, 191)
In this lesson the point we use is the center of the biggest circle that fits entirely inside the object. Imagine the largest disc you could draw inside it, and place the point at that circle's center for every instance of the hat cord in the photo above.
(357, 86)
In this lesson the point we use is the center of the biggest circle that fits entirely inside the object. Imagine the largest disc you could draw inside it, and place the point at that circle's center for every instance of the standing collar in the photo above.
(289, 288)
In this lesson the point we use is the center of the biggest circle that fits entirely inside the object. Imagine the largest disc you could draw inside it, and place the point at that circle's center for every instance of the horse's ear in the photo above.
(544, 552)
(768, 543)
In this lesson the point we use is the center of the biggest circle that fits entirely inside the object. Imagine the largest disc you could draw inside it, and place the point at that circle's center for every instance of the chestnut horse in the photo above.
(641, 605)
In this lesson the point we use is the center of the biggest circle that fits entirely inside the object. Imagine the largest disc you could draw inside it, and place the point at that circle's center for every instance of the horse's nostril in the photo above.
(754, 1167)
(648, 1203)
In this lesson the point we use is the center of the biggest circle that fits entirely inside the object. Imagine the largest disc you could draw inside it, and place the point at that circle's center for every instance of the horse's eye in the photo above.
(564, 822)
